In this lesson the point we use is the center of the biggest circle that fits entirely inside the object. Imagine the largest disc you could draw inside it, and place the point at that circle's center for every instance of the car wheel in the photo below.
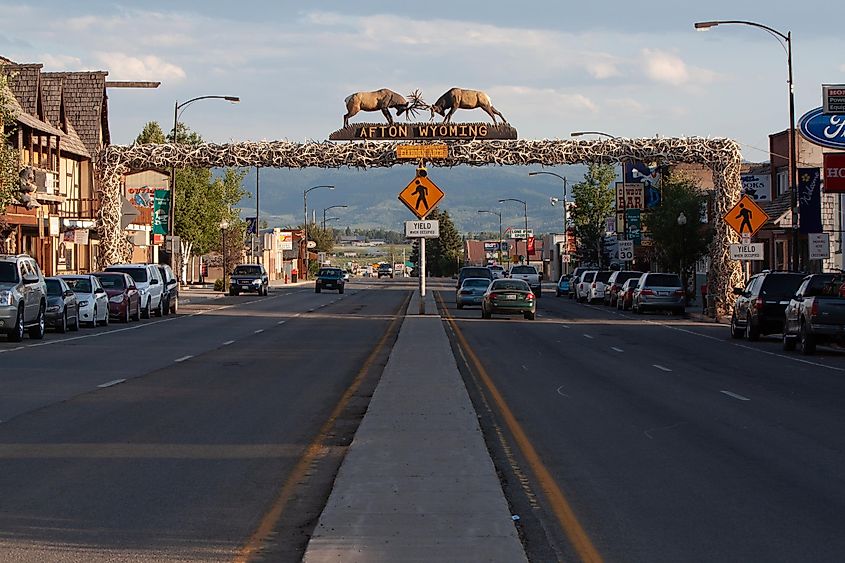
(105, 321)
(735, 331)
(174, 307)
(159, 312)
(557, 293)
(529, 315)
(232, 292)
(146, 313)
(37, 332)
(340, 290)
(808, 343)
(127, 314)
(137, 316)
(317, 289)
(752, 333)
(16, 334)
(62, 325)
(75, 326)
(460, 305)
(94, 318)
(789, 342)
(166, 307)
(485, 314)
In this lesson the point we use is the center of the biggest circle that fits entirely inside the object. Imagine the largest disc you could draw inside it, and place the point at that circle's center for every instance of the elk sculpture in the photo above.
(382, 100)
(458, 98)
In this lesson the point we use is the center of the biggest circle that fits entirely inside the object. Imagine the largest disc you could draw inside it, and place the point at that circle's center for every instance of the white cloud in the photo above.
(543, 99)
(664, 67)
(147, 67)
(60, 62)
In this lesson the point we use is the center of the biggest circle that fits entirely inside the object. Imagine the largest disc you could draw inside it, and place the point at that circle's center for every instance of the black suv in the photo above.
(384, 270)
(759, 307)
(329, 278)
(170, 291)
(249, 277)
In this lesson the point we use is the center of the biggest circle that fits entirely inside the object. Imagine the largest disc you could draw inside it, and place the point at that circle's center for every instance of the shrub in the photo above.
(218, 285)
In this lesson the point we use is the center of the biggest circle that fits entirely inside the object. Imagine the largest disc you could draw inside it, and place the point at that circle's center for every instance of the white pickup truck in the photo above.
(529, 275)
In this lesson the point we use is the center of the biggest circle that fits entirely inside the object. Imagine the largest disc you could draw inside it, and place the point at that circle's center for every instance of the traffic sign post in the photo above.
(626, 250)
(753, 251)
(819, 246)
(746, 217)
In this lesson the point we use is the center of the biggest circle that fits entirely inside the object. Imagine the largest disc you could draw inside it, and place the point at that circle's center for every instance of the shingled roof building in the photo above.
(61, 121)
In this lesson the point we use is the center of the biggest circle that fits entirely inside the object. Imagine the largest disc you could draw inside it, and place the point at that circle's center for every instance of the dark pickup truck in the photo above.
(816, 313)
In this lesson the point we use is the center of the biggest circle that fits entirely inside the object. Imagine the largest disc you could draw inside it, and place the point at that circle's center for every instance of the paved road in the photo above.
(663, 439)
(178, 438)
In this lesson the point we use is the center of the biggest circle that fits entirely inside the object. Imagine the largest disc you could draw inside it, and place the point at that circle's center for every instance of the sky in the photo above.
(631, 69)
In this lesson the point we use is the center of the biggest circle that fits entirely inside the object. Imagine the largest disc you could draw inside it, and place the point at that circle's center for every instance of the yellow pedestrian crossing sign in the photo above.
(421, 195)
(746, 217)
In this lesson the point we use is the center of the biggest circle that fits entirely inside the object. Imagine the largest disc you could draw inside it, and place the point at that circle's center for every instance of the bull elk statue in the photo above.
(458, 98)
(382, 100)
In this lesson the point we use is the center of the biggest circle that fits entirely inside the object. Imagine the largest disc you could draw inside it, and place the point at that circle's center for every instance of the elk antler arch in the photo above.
(722, 156)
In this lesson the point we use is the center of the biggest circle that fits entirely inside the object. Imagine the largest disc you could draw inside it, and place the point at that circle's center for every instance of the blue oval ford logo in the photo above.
(824, 130)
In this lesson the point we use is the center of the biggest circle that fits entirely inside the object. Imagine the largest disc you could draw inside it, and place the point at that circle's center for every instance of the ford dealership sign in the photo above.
(824, 130)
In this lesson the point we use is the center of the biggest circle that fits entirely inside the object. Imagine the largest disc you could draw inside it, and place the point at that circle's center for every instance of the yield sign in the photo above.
(420, 196)
(746, 217)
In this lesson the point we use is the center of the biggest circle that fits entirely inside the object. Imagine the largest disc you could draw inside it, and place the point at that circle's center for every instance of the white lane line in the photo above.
(259, 331)
(615, 349)
(734, 395)
(808, 362)
(658, 366)
(566, 326)
(562, 394)
(310, 310)
(588, 336)
(110, 383)
(12, 349)
(182, 359)
(281, 322)
(228, 342)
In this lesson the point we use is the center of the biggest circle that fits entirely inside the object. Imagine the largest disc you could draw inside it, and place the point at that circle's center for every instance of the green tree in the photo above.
(443, 255)
(9, 157)
(594, 200)
(679, 246)
(324, 238)
(151, 134)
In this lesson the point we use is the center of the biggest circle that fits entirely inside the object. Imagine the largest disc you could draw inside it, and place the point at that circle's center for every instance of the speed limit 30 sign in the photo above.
(626, 250)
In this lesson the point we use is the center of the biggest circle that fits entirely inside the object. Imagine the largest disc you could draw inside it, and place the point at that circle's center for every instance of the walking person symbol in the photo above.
(421, 191)
(745, 215)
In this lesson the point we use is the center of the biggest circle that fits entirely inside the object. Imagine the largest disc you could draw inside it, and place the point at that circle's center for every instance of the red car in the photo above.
(124, 297)
(625, 296)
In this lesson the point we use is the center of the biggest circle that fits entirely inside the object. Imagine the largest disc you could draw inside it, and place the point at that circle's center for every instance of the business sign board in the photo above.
(632, 226)
(753, 251)
(827, 130)
(757, 186)
(491, 246)
(819, 244)
(630, 196)
(833, 98)
(422, 229)
(417, 152)
(626, 250)
(520, 233)
(285, 240)
(834, 172)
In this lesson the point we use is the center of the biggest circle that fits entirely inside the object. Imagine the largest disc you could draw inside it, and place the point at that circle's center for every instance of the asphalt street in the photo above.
(173, 439)
(664, 438)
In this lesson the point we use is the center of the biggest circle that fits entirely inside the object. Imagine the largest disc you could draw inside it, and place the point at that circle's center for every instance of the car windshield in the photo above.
(523, 270)
(497, 268)
(53, 287)
(138, 274)
(589, 276)
(476, 282)
(825, 286)
(112, 282)
(518, 285)
(8, 272)
(476, 273)
(329, 273)
(247, 271)
(782, 286)
(79, 285)
(603, 276)
(663, 280)
(625, 276)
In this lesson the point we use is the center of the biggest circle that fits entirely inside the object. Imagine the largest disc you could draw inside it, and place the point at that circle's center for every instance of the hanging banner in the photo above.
(633, 230)
(809, 200)
(251, 224)
(161, 212)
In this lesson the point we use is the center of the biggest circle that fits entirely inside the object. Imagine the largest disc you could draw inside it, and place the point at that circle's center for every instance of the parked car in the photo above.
(625, 296)
(498, 271)
(171, 289)
(385, 270)
(509, 296)
(474, 272)
(23, 297)
(582, 290)
(471, 292)
(93, 300)
(598, 286)
(249, 278)
(62, 306)
(329, 278)
(614, 284)
(658, 291)
(148, 281)
(529, 275)
(816, 313)
(563, 285)
(759, 307)
(574, 278)
(124, 297)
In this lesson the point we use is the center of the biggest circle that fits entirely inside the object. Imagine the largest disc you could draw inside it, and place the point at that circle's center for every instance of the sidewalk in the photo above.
(417, 483)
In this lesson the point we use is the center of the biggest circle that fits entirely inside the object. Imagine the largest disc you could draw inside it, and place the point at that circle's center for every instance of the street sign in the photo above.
(565, 258)
(420, 196)
(610, 225)
(819, 246)
(626, 250)
(422, 229)
(833, 98)
(311, 244)
(753, 251)
(746, 217)
(520, 233)
(422, 151)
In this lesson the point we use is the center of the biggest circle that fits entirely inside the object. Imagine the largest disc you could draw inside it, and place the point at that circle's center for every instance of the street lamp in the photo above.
(176, 107)
(565, 234)
(305, 225)
(499, 215)
(785, 41)
(525, 208)
(224, 225)
(331, 207)
(682, 221)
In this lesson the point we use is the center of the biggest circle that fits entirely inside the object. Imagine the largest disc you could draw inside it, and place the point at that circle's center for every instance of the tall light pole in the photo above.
(224, 226)
(499, 215)
(305, 225)
(331, 207)
(785, 41)
(176, 107)
(565, 230)
(525, 208)
(259, 253)
(682, 222)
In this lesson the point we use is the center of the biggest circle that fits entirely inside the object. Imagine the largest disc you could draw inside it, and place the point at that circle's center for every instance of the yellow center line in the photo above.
(314, 450)
(563, 510)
